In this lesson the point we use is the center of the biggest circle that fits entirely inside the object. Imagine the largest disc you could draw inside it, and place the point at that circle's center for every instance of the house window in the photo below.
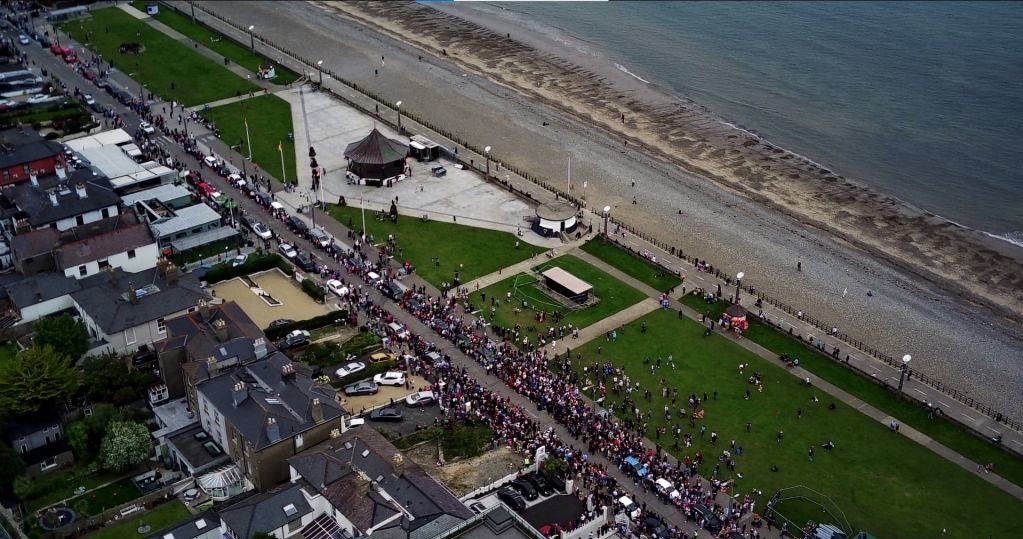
(83, 271)
(298, 441)
(48, 463)
(295, 525)
(129, 336)
(7, 174)
(191, 309)
(103, 264)
(105, 213)
(80, 219)
(161, 327)
(131, 253)
(196, 230)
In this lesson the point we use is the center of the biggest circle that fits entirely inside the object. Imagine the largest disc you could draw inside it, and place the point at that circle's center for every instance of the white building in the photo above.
(62, 202)
(130, 248)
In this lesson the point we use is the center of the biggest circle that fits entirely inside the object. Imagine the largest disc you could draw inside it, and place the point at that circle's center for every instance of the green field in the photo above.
(224, 46)
(614, 296)
(944, 430)
(884, 482)
(166, 67)
(60, 485)
(474, 252)
(269, 124)
(96, 501)
(157, 518)
(627, 262)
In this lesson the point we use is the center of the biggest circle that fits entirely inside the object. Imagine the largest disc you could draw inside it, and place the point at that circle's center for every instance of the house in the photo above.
(41, 295)
(205, 525)
(281, 512)
(367, 487)
(183, 228)
(39, 442)
(25, 153)
(172, 196)
(62, 202)
(115, 155)
(264, 412)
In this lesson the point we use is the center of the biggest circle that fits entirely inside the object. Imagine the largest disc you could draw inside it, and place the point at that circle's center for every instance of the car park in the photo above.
(390, 378)
(512, 498)
(307, 263)
(337, 287)
(295, 339)
(525, 488)
(288, 251)
(365, 387)
(385, 414)
(147, 128)
(351, 367)
(320, 237)
(239, 260)
(262, 231)
(420, 398)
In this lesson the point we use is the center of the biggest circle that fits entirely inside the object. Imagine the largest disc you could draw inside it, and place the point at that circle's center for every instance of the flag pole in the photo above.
(248, 139)
(362, 203)
(569, 174)
(284, 173)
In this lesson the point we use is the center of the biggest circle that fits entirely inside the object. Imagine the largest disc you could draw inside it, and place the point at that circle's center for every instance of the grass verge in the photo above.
(640, 269)
(270, 124)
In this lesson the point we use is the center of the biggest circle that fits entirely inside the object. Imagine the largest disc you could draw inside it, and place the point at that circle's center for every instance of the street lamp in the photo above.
(397, 106)
(738, 285)
(319, 66)
(252, 39)
(607, 213)
(905, 368)
(192, 5)
(486, 152)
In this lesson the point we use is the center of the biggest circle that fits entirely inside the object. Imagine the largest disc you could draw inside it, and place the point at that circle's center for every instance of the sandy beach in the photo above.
(950, 296)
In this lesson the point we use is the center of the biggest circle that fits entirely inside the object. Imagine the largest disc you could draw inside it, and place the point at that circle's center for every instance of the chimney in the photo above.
(335, 433)
(61, 172)
(398, 463)
(317, 411)
(288, 371)
(239, 393)
(80, 188)
(53, 197)
(111, 274)
(34, 179)
(171, 273)
(259, 348)
(133, 297)
(204, 309)
(212, 367)
(273, 431)
(220, 329)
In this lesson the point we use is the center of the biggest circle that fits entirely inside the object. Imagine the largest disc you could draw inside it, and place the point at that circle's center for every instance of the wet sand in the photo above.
(727, 183)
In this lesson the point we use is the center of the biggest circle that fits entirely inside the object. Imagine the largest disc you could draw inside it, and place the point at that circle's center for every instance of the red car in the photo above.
(70, 57)
(89, 75)
(57, 49)
(205, 189)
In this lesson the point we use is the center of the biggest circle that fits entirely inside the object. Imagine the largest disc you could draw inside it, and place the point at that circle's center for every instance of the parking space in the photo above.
(413, 418)
(386, 394)
(559, 509)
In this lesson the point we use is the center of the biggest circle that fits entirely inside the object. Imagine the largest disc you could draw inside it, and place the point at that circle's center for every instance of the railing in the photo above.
(550, 186)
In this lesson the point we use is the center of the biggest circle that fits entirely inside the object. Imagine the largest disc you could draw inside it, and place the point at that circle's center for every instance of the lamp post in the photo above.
(319, 67)
(486, 153)
(192, 5)
(738, 285)
(607, 213)
(397, 107)
(252, 39)
(905, 368)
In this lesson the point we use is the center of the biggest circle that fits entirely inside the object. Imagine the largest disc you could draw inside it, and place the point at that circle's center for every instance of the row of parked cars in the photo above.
(529, 487)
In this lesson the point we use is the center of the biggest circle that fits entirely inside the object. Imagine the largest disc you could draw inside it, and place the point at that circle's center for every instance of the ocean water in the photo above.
(920, 100)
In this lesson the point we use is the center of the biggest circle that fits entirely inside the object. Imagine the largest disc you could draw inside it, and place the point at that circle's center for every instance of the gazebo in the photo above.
(556, 217)
(735, 317)
(375, 158)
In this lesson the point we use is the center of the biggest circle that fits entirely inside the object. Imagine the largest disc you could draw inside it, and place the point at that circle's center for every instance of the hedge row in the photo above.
(313, 290)
(225, 270)
(332, 318)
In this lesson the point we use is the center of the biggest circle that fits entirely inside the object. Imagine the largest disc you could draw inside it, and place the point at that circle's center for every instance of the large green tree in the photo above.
(35, 377)
(65, 334)
(10, 468)
(108, 379)
(125, 446)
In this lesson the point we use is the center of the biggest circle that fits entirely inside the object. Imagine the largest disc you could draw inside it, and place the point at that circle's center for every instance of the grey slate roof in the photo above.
(265, 512)
(288, 400)
(102, 300)
(35, 242)
(334, 472)
(25, 145)
(102, 246)
(191, 528)
(41, 287)
(34, 202)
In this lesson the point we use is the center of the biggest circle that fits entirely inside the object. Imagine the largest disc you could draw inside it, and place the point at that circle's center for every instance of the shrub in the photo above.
(363, 342)
(225, 270)
(431, 433)
(313, 290)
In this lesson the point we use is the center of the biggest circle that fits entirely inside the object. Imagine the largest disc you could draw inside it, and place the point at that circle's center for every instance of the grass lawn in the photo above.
(479, 251)
(108, 497)
(157, 519)
(61, 485)
(943, 430)
(635, 266)
(269, 124)
(227, 247)
(166, 67)
(884, 482)
(7, 351)
(614, 296)
(215, 41)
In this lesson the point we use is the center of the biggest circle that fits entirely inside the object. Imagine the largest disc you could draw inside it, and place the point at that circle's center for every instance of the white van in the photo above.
(630, 509)
(667, 488)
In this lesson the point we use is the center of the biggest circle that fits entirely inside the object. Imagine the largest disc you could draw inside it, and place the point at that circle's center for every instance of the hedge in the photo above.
(313, 290)
(225, 270)
(331, 318)
(365, 341)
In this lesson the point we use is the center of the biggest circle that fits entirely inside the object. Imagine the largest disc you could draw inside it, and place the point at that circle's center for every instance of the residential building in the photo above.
(205, 525)
(171, 195)
(62, 202)
(264, 412)
(115, 155)
(41, 295)
(183, 228)
(281, 512)
(39, 441)
(25, 153)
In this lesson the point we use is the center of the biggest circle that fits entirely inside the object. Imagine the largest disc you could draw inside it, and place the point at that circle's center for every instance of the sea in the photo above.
(921, 100)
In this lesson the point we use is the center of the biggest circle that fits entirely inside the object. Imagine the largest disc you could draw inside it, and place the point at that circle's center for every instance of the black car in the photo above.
(710, 521)
(540, 484)
(306, 262)
(385, 414)
(98, 108)
(295, 339)
(557, 483)
(656, 527)
(280, 322)
(392, 290)
(297, 225)
(525, 488)
(365, 387)
(511, 498)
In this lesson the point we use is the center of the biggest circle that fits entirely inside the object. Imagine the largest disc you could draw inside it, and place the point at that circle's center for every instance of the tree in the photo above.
(36, 376)
(11, 468)
(77, 436)
(102, 376)
(65, 334)
(125, 446)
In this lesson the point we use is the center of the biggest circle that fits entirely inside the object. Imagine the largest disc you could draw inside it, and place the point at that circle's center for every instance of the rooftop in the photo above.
(173, 416)
(186, 219)
(265, 512)
(201, 340)
(191, 528)
(114, 137)
(105, 298)
(118, 240)
(20, 145)
(565, 279)
(41, 287)
(164, 193)
(198, 449)
(36, 202)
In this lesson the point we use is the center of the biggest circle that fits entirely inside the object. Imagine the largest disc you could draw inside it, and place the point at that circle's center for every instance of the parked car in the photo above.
(211, 161)
(23, 39)
(512, 498)
(295, 339)
(350, 368)
(337, 287)
(556, 482)
(627, 506)
(656, 527)
(710, 520)
(297, 225)
(89, 75)
(102, 83)
(281, 322)
(382, 356)
(39, 98)
(390, 378)
(307, 263)
(439, 171)
(147, 128)
(262, 231)
(539, 483)
(477, 507)
(288, 251)
(385, 414)
(365, 387)
(239, 260)
(420, 398)
(98, 108)
(320, 237)
(525, 488)
(667, 488)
